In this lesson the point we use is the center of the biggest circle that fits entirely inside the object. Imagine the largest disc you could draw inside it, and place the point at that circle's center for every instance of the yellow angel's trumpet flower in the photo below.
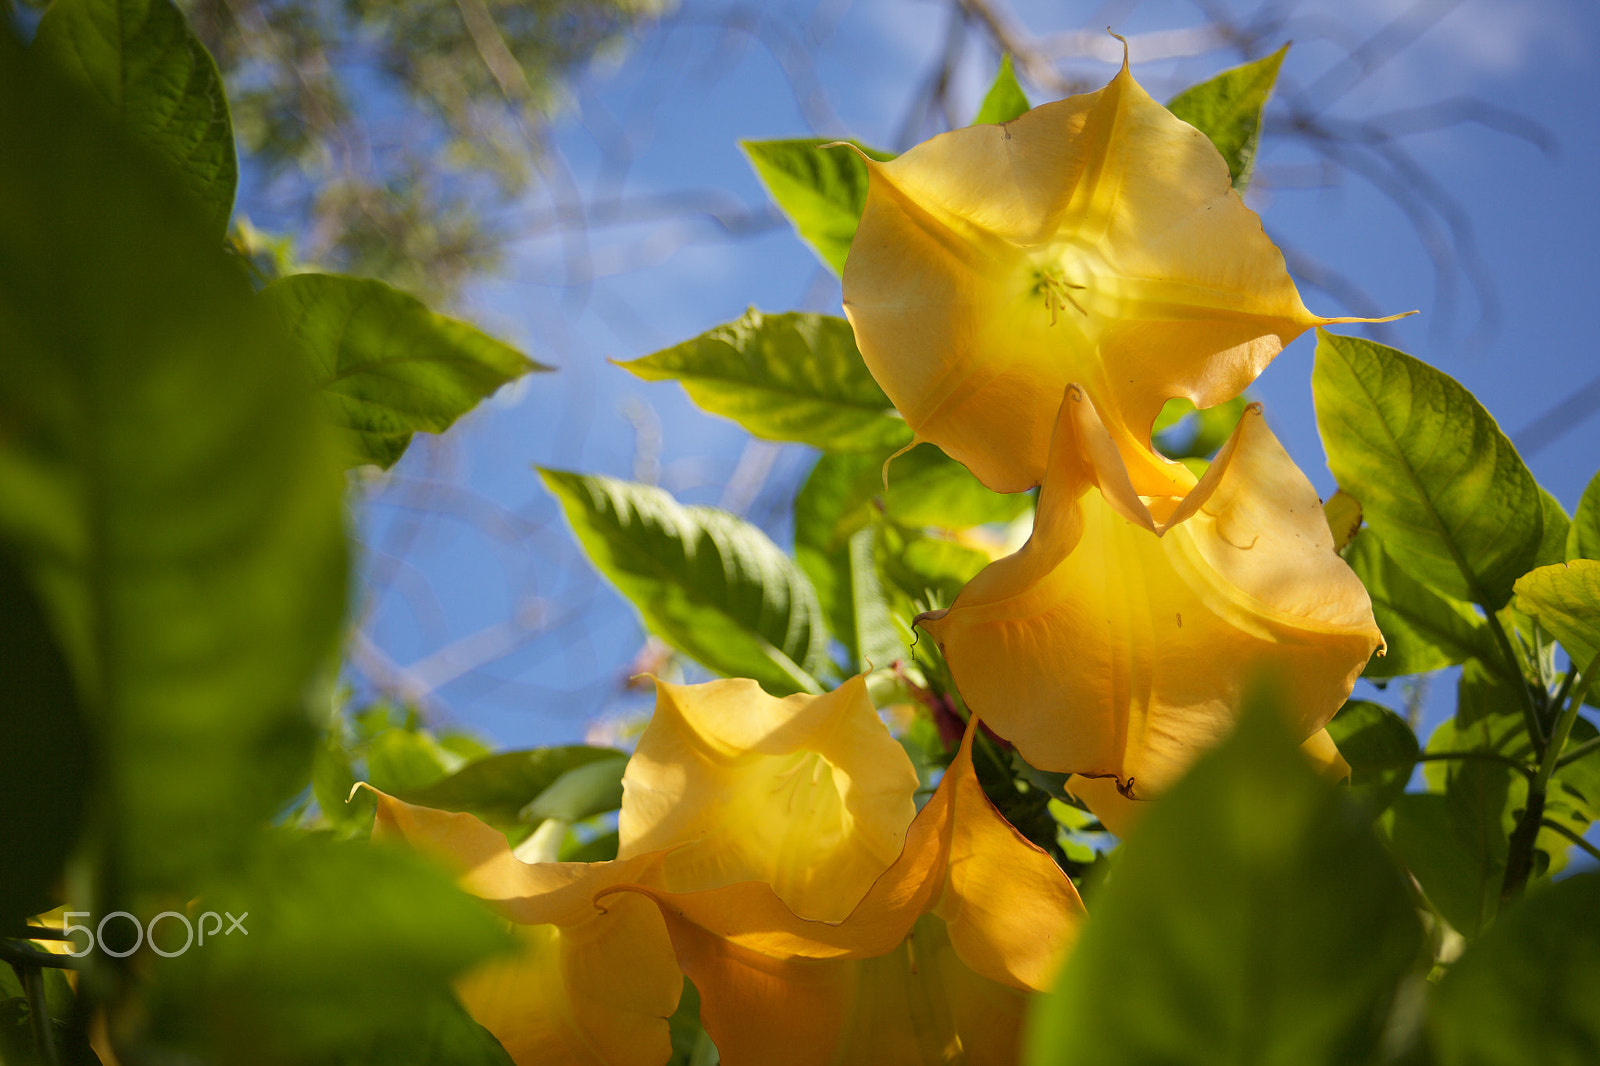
(1120, 814)
(808, 794)
(591, 985)
(934, 965)
(1097, 239)
(1116, 643)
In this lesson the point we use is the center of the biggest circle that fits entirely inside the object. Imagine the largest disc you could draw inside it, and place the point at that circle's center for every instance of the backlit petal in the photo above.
(777, 988)
(1096, 239)
(810, 794)
(1117, 642)
(591, 985)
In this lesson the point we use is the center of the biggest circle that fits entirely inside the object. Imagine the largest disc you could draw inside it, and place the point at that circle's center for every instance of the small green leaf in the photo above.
(141, 60)
(1583, 537)
(790, 377)
(1250, 920)
(1526, 992)
(1005, 99)
(707, 582)
(1380, 748)
(1227, 109)
(1565, 598)
(822, 190)
(878, 641)
(498, 788)
(385, 365)
(1422, 629)
(1442, 485)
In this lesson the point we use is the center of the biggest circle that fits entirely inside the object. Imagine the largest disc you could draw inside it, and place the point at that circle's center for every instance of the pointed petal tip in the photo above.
(1348, 319)
(1124, 41)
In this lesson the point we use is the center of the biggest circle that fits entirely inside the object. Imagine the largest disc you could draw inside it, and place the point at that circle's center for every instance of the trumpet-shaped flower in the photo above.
(1096, 240)
(1117, 641)
(933, 966)
(1120, 814)
(591, 985)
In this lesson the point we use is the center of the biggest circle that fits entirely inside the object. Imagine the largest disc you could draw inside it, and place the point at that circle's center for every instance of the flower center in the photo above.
(1051, 283)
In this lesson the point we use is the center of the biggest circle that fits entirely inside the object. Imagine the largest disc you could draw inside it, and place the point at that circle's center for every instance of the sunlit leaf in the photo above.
(164, 484)
(1565, 598)
(1557, 526)
(498, 788)
(822, 190)
(385, 365)
(1005, 99)
(790, 377)
(1583, 537)
(1380, 748)
(1227, 109)
(140, 59)
(1423, 630)
(1343, 512)
(707, 582)
(1442, 485)
(1526, 992)
(1250, 920)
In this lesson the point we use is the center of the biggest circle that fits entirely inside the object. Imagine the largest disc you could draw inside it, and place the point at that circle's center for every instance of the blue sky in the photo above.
(481, 595)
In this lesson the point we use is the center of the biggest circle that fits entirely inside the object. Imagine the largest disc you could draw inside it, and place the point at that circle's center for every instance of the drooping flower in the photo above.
(1117, 642)
(809, 794)
(1096, 240)
(591, 985)
(934, 965)
(1120, 814)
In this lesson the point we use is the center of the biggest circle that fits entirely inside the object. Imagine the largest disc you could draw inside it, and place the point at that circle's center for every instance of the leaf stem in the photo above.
(1477, 756)
(1570, 835)
(1592, 744)
(32, 979)
(1530, 706)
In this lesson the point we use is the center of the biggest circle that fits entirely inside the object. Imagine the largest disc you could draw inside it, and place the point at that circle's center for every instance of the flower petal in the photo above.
(1096, 239)
(810, 794)
(1104, 649)
(591, 985)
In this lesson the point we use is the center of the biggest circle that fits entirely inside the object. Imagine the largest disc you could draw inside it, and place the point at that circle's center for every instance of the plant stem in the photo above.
(1519, 858)
(1472, 756)
(32, 978)
(1570, 835)
(1530, 706)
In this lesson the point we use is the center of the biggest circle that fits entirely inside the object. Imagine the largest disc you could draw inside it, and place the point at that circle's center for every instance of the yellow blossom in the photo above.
(1117, 641)
(1097, 240)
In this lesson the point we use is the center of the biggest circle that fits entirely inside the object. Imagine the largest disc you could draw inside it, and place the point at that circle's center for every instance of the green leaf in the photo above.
(140, 59)
(46, 759)
(1183, 431)
(1442, 485)
(822, 190)
(1005, 99)
(790, 377)
(1565, 598)
(1423, 630)
(1380, 748)
(878, 641)
(1251, 920)
(707, 582)
(1526, 992)
(1227, 109)
(1583, 537)
(165, 485)
(385, 365)
(923, 568)
(404, 760)
(498, 788)
(582, 792)
(1557, 527)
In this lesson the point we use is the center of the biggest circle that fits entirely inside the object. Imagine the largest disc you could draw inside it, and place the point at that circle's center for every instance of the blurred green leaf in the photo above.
(140, 59)
(1423, 630)
(790, 377)
(498, 788)
(1227, 109)
(332, 778)
(1565, 598)
(1005, 99)
(924, 568)
(46, 754)
(582, 792)
(690, 1044)
(707, 582)
(1380, 748)
(822, 190)
(1527, 991)
(1183, 431)
(1442, 485)
(401, 761)
(165, 485)
(1583, 536)
(1251, 919)
(349, 948)
(385, 365)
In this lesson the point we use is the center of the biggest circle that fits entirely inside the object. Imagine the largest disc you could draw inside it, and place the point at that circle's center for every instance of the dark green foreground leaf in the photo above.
(386, 366)
(707, 582)
(1253, 919)
(1380, 748)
